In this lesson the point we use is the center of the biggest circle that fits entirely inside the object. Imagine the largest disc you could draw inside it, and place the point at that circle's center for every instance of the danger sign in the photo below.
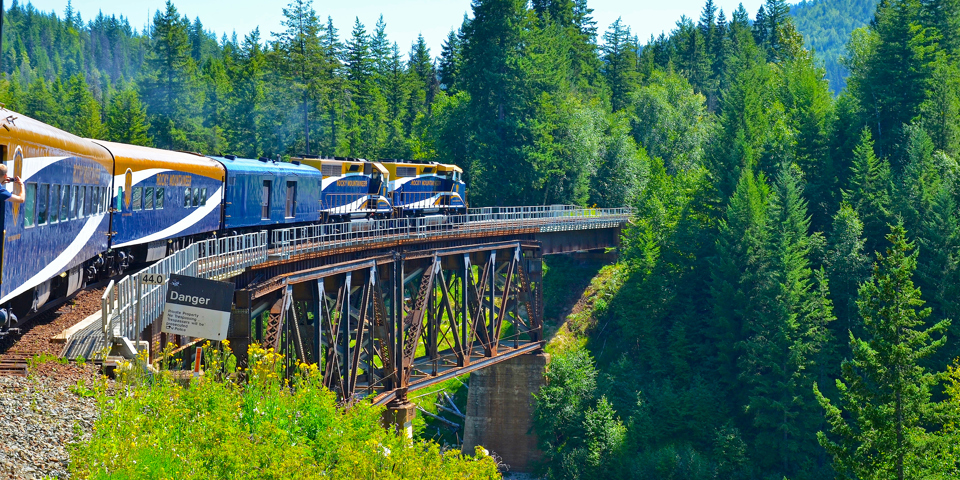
(197, 308)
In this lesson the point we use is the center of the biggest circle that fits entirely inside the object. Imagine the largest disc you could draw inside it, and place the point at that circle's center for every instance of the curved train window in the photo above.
(73, 201)
(196, 197)
(203, 197)
(88, 204)
(159, 204)
(81, 197)
(54, 203)
(65, 202)
(148, 198)
(43, 203)
(186, 197)
(30, 205)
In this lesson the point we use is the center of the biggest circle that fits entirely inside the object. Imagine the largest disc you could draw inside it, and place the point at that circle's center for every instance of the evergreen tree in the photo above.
(127, 119)
(734, 276)
(619, 63)
(301, 61)
(879, 426)
(869, 192)
(847, 266)
(172, 84)
(450, 59)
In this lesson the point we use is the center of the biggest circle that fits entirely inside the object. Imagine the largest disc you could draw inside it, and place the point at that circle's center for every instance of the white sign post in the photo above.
(197, 308)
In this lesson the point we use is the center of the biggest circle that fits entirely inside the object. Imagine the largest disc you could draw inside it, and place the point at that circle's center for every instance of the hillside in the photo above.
(826, 27)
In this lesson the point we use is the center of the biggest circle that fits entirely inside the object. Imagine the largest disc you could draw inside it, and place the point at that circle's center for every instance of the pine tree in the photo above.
(869, 191)
(450, 59)
(82, 113)
(739, 258)
(127, 119)
(879, 426)
(784, 331)
(847, 266)
(301, 61)
(619, 64)
(171, 83)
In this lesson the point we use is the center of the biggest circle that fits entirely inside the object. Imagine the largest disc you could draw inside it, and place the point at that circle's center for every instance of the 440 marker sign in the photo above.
(152, 278)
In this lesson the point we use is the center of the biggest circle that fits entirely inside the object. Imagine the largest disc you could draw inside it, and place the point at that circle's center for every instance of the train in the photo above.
(94, 208)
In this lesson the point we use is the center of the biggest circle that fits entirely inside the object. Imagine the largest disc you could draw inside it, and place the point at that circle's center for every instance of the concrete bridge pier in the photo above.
(500, 410)
(398, 417)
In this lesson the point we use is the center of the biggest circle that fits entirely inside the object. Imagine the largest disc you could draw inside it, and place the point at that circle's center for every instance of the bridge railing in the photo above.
(288, 242)
(128, 306)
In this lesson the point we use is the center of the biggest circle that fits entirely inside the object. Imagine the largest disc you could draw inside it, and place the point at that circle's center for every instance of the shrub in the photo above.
(154, 427)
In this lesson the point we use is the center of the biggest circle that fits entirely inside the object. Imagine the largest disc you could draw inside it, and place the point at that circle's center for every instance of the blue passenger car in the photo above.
(262, 193)
(161, 195)
(63, 221)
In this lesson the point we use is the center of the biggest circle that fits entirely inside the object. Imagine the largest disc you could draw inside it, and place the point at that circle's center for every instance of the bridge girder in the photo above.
(386, 325)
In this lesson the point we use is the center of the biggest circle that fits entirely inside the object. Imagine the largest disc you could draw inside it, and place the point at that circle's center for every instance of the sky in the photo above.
(405, 18)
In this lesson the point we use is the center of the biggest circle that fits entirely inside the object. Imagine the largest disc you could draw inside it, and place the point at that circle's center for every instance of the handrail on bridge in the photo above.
(128, 307)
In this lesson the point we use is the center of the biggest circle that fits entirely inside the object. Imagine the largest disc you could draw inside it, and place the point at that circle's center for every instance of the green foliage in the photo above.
(215, 428)
(826, 26)
(880, 427)
(579, 432)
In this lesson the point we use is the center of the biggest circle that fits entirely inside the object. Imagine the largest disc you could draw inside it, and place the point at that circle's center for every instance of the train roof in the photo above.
(401, 169)
(142, 158)
(42, 139)
(345, 165)
(251, 166)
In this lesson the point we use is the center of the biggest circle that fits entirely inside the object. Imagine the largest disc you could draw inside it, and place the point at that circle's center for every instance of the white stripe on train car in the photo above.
(33, 165)
(60, 263)
(197, 215)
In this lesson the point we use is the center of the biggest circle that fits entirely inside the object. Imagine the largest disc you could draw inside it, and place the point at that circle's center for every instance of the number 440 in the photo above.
(151, 279)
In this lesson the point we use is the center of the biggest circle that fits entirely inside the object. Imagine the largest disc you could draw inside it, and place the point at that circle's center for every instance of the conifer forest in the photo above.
(786, 303)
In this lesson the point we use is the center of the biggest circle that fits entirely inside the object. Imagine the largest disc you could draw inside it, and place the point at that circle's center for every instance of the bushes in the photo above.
(153, 427)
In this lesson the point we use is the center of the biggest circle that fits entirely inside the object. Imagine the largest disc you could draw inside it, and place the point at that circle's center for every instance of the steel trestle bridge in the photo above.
(382, 307)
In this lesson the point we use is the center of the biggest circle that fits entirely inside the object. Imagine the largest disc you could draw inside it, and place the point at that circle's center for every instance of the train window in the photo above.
(88, 204)
(354, 168)
(291, 207)
(74, 194)
(98, 197)
(203, 197)
(159, 204)
(196, 197)
(43, 202)
(148, 198)
(186, 197)
(81, 197)
(137, 203)
(30, 205)
(65, 202)
(54, 203)
(428, 170)
(265, 200)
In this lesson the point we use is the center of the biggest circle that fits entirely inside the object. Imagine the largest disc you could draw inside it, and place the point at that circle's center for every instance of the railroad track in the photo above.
(33, 337)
